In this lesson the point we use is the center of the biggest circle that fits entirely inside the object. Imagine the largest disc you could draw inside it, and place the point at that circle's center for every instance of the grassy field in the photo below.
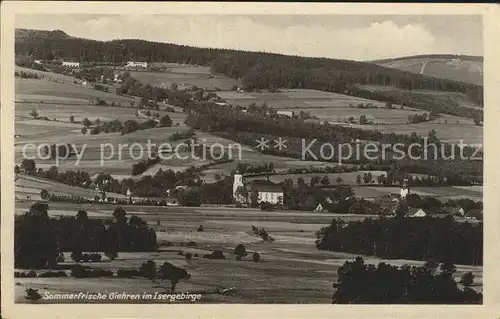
(291, 263)
(337, 108)
(462, 70)
(185, 79)
(441, 193)
(32, 90)
(28, 186)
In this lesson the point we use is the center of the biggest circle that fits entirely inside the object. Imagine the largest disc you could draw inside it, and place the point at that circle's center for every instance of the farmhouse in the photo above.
(287, 113)
(267, 190)
(133, 64)
(71, 64)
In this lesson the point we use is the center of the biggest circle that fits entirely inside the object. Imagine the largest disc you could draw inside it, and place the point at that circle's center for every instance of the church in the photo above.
(267, 190)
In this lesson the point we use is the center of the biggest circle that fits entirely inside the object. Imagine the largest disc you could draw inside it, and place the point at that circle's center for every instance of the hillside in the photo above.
(460, 68)
(258, 70)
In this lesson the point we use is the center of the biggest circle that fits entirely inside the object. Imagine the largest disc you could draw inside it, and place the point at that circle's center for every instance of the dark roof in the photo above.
(263, 186)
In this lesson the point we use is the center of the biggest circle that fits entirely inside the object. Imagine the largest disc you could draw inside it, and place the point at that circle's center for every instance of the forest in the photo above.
(439, 239)
(433, 283)
(39, 238)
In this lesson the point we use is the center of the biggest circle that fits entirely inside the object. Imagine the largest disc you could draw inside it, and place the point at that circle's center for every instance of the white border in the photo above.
(491, 279)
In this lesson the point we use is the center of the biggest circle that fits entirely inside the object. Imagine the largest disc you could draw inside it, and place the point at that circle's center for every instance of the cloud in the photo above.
(373, 40)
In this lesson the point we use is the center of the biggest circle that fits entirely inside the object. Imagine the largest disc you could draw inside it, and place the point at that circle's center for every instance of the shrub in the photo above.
(51, 274)
(127, 273)
(216, 254)
(148, 269)
(191, 244)
(95, 257)
(200, 228)
(188, 256)
(467, 279)
(256, 257)
(76, 256)
(34, 113)
(111, 255)
(240, 251)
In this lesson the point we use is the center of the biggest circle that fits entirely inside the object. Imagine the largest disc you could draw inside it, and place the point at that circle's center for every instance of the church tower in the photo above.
(237, 182)
(405, 190)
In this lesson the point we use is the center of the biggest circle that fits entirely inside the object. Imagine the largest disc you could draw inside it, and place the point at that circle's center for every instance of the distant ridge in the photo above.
(455, 67)
(475, 58)
(45, 34)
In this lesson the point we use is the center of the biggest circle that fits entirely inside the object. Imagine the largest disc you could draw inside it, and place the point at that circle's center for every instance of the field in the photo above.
(28, 186)
(337, 108)
(462, 69)
(185, 80)
(290, 264)
(441, 193)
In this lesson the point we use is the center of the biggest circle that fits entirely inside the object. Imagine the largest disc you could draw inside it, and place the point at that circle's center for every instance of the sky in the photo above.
(353, 37)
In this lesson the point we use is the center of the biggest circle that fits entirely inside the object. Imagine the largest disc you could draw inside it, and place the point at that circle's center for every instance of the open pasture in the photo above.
(182, 68)
(291, 262)
(348, 178)
(441, 193)
(184, 80)
(47, 89)
(31, 186)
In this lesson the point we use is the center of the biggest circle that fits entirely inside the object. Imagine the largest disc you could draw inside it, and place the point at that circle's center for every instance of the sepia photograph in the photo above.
(247, 158)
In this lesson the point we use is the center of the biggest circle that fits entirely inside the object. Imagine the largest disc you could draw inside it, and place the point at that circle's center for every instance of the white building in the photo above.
(38, 61)
(267, 190)
(71, 64)
(133, 64)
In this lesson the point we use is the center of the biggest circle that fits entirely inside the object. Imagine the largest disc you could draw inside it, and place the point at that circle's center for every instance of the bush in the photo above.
(240, 251)
(127, 273)
(188, 256)
(467, 279)
(191, 244)
(78, 271)
(95, 257)
(76, 256)
(52, 274)
(200, 228)
(256, 257)
(111, 255)
(216, 254)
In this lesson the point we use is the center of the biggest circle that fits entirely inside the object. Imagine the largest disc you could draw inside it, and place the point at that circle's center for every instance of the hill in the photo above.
(460, 68)
(261, 71)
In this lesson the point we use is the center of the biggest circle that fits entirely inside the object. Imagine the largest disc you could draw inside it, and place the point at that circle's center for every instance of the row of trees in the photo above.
(441, 239)
(361, 283)
(39, 239)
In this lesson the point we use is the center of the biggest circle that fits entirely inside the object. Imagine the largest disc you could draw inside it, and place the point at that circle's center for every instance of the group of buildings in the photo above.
(273, 193)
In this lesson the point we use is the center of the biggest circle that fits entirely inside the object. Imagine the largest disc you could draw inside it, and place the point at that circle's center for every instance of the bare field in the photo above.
(291, 263)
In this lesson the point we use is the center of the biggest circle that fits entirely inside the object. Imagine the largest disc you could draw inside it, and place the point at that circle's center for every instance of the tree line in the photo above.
(440, 239)
(433, 283)
(39, 239)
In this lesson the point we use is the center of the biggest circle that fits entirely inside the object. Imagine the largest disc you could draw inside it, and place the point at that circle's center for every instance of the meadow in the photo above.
(338, 108)
(291, 263)
(185, 80)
